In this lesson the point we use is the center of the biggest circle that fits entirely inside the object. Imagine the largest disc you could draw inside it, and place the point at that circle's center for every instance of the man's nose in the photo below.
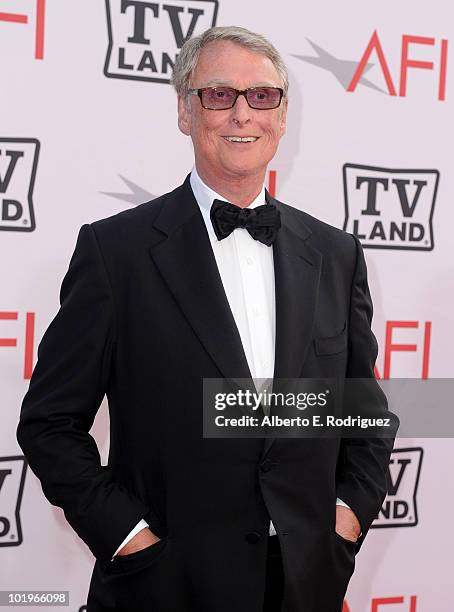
(241, 111)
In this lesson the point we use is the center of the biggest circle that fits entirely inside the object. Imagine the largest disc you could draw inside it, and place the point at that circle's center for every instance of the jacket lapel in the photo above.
(181, 250)
(297, 268)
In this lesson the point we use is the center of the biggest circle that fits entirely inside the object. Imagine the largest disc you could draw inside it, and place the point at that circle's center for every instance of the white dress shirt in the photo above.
(247, 271)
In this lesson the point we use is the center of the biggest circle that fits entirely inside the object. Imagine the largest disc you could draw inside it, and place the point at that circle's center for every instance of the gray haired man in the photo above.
(215, 279)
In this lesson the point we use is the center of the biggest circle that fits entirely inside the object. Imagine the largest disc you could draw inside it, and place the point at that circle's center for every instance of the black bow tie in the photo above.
(262, 222)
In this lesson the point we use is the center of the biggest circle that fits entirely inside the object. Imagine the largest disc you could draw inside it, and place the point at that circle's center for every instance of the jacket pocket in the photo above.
(126, 564)
(350, 543)
(332, 344)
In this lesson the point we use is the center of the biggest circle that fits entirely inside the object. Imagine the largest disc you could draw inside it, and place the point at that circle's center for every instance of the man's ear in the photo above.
(184, 117)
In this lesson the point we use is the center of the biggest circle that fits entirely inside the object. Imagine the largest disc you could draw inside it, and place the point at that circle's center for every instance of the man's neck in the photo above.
(239, 190)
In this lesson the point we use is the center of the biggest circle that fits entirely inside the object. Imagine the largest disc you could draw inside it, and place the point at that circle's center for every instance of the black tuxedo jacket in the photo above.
(143, 319)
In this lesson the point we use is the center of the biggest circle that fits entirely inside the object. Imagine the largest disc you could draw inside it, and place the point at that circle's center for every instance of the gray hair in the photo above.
(189, 55)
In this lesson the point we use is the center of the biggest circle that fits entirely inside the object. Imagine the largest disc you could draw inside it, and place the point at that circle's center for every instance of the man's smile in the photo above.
(241, 139)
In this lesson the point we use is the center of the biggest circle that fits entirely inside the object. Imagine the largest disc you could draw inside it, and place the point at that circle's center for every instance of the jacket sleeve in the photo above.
(361, 475)
(66, 389)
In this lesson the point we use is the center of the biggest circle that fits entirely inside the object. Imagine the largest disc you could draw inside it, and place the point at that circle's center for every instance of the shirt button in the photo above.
(249, 261)
(255, 312)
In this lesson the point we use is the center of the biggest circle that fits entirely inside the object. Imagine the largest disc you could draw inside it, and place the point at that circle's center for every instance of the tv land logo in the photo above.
(400, 508)
(390, 209)
(12, 479)
(18, 165)
(350, 73)
(145, 37)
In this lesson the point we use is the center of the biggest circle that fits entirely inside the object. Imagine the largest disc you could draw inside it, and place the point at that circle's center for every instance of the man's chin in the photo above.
(243, 168)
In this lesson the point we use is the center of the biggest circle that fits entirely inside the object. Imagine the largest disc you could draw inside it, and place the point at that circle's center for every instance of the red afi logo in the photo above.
(392, 347)
(378, 603)
(39, 28)
(406, 62)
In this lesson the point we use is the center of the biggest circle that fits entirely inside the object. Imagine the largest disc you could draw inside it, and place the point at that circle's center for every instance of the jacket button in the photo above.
(266, 465)
(253, 537)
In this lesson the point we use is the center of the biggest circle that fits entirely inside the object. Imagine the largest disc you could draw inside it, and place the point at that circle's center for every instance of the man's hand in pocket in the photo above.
(347, 525)
(141, 540)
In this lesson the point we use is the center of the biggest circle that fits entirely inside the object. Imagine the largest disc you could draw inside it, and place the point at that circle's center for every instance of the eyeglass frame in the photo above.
(239, 92)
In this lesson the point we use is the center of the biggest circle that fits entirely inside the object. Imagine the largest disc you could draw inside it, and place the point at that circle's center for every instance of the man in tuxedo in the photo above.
(215, 279)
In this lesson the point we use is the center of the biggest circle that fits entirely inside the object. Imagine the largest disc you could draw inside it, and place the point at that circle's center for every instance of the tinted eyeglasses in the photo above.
(221, 98)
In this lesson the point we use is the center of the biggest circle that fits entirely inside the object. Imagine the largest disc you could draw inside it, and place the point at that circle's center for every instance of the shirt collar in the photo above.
(205, 195)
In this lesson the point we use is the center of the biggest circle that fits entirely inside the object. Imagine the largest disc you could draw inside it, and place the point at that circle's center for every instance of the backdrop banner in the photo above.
(88, 128)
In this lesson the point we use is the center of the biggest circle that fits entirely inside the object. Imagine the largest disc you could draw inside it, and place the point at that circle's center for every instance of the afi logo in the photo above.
(145, 37)
(19, 18)
(18, 162)
(407, 62)
(378, 603)
(29, 334)
(12, 479)
(350, 73)
(421, 348)
(399, 508)
(390, 209)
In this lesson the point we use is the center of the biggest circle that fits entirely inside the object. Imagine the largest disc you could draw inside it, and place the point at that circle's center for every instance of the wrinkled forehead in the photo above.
(233, 65)
(229, 83)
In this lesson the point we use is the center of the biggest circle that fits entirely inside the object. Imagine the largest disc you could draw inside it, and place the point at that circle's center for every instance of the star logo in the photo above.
(342, 70)
(137, 196)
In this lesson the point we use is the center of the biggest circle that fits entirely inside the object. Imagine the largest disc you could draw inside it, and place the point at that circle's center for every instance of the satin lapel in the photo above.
(297, 268)
(182, 252)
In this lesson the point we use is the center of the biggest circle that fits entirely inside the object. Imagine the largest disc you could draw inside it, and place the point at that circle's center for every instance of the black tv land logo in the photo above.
(145, 37)
(12, 479)
(390, 209)
(18, 164)
(400, 508)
